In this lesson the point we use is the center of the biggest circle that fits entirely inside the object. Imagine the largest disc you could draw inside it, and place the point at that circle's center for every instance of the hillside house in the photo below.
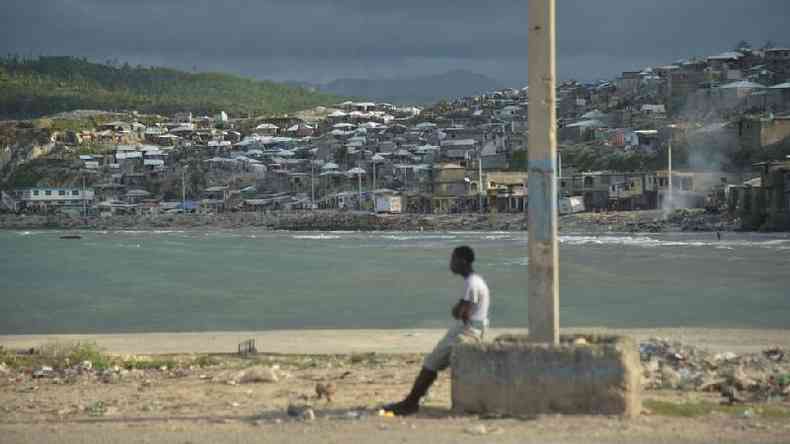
(757, 133)
(42, 198)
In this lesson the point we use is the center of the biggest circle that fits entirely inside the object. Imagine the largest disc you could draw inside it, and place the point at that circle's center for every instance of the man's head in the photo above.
(461, 260)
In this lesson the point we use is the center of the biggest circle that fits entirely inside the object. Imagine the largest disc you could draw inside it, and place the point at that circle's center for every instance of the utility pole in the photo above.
(359, 179)
(183, 191)
(374, 173)
(84, 202)
(559, 164)
(480, 180)
(669, 171)
(543, 301)
(312, 183)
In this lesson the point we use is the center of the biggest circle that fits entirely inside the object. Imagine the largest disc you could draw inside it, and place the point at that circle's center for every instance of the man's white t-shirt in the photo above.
(476, 292)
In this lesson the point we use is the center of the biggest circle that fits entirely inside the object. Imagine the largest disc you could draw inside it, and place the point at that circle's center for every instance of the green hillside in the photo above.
(47, 85)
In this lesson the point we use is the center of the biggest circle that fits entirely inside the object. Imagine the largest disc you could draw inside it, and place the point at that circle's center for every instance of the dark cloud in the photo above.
(317, 40)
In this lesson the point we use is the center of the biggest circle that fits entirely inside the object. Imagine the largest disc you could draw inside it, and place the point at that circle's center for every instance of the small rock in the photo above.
(4, 369)
(326, 391)
(258, 374)
(86, 365)
(669, 377)
(42, 372)
(726, 356)
(579, 341)
(308, 415)
(652, 366)
(741, 379)
(234, 404)
(296, 411)
(746, 414)
(478, 430)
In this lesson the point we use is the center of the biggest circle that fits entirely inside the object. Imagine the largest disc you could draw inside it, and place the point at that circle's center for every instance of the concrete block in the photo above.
(585, 374)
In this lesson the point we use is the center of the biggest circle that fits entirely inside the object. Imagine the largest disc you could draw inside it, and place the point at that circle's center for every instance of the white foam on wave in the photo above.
(427, 237)
(498, 237)
(649, 242)
(316, 236)
(518, 261)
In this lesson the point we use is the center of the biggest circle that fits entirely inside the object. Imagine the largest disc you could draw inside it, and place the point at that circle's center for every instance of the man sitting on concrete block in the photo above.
(471, 315)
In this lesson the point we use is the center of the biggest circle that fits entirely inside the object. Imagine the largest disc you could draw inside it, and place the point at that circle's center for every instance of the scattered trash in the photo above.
(386, 413)
(478, 430)
(43, 372)
(353, 415)
(325, 391)
(96, 409)
(258, 374)
(727, 356)
(748, 413)
(297, 411)
(730, 394)
(247, 347)
(774, 354)
(757, 377)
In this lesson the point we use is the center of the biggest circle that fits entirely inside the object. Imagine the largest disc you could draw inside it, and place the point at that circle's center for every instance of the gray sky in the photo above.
(320, 40)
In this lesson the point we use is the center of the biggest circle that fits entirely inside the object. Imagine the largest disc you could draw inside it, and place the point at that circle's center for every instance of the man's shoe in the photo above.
(403, 408)
(411, 404)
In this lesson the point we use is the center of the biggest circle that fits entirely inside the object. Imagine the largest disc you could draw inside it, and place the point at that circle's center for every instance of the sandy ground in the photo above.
(378, 341)
(200, 406)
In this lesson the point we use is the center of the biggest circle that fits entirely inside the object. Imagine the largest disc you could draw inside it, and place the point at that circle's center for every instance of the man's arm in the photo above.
(461, 310)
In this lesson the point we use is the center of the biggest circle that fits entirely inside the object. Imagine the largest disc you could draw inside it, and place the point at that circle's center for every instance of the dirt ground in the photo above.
(379, 341)
(207, 403)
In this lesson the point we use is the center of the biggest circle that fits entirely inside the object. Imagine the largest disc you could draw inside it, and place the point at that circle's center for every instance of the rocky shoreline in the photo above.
(324, 220)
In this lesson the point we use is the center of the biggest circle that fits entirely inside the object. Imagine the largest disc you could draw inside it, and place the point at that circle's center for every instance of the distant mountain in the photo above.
(48, 85)
(416, 90)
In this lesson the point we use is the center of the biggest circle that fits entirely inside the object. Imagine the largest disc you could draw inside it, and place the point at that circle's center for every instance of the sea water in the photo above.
(247, 279)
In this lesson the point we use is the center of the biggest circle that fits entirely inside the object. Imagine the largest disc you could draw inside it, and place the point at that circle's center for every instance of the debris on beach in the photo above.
(258, 374)
(304, 412)
(752, 377)
(325, 391)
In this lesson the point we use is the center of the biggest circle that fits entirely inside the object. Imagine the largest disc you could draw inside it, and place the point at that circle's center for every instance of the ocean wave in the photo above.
(650, 242)
(316, 236)
(499, 237)
(427, 237)
(518, 261)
